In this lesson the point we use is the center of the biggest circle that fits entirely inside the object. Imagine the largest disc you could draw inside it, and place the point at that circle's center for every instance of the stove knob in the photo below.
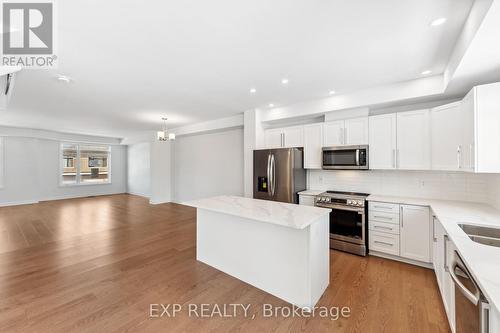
(349, 202)
(360, 203)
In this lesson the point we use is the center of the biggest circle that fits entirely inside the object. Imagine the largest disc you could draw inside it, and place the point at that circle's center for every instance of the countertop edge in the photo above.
(320, 212)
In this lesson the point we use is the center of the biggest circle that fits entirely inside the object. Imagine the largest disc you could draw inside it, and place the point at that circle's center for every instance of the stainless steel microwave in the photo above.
(345, 158)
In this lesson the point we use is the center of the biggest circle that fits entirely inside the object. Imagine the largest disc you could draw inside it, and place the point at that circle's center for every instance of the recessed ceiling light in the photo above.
(271, 105)
(253, 91)
(438, 21)
(284, 81)
(332, 92)
(427, 72)
(64, 78)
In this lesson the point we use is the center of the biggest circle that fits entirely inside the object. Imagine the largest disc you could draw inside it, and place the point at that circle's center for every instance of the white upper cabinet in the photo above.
(287, 137)
(467, 132)
(313, 142)
(333, 133)
(356, 131)
(415, 233)
(447, 149)
(273, 138)
(293, 136)
(346, 132)
(382, 141)
(413, 140)
(481, 137)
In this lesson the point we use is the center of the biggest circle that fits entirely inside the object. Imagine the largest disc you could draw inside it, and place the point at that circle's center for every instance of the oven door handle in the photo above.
(357, 157)
(353, 209)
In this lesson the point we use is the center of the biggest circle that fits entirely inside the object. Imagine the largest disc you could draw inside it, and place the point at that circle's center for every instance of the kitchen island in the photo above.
(280, 248)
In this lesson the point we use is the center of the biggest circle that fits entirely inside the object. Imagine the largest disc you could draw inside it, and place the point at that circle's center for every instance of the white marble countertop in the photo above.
(310, 192)
(284, 214)
(483, 261)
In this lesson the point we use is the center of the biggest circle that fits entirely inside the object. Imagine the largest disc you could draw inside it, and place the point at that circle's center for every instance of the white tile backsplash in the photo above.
(421, 184)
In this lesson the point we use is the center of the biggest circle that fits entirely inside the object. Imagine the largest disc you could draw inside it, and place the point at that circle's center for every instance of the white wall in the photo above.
(161, 172)
(138, 169)
(21, 177)
(428, 184)
(208, 164)
(32, 173)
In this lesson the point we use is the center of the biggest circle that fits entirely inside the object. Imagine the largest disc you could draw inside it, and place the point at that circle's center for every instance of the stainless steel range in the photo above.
(348, 220)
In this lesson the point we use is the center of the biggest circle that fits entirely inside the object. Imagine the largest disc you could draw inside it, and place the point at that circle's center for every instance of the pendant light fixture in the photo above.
(163, 135)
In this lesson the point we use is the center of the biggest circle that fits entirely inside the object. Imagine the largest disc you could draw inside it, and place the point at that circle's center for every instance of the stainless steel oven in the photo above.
(348, 220)
(345, 157)
(471, 307)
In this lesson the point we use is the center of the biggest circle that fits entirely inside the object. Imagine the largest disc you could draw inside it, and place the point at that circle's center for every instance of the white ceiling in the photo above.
(133, 61)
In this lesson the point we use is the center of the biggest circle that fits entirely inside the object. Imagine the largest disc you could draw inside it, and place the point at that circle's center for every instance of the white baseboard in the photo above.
(59, 197)
(154, 202)
(18, 203)
(139, 194)
(69, 196)
(396, 258)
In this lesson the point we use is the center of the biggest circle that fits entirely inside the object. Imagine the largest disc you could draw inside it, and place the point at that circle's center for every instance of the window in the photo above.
(85, 164)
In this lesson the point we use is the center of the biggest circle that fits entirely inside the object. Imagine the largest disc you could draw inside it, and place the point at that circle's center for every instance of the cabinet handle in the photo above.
(394, 158)
(471, 159)
(401, 216)
(397, 159)
(382, 207)
(382, 217)
(379, 227)
(445, 247)
(459, 156)
(385, 243)
(340, 136)
(345, 135)
(434, 229)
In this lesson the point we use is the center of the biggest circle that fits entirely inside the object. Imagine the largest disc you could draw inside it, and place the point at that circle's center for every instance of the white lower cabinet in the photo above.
(384, 242)
(442, 254)
(415, 238)
(400, 230)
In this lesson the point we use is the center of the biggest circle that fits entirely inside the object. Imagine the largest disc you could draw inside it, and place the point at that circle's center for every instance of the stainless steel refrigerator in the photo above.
(278, 174)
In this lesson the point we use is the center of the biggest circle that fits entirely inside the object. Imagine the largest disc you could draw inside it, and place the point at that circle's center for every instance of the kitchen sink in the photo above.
(482, 235)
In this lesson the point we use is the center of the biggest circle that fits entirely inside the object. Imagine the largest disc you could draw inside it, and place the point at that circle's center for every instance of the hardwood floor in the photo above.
(96, 265)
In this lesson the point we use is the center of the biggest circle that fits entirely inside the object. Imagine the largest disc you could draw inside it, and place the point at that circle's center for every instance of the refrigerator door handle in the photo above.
(273, 173)
(269, 174)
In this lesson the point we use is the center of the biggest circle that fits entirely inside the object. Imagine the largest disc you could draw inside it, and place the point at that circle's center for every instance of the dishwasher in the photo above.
(471, 307)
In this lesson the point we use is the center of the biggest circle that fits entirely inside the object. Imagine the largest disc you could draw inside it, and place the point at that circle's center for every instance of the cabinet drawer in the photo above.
(383, 227)
(306, 200)
(384, 207)
(383, 217)
(384, 242)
